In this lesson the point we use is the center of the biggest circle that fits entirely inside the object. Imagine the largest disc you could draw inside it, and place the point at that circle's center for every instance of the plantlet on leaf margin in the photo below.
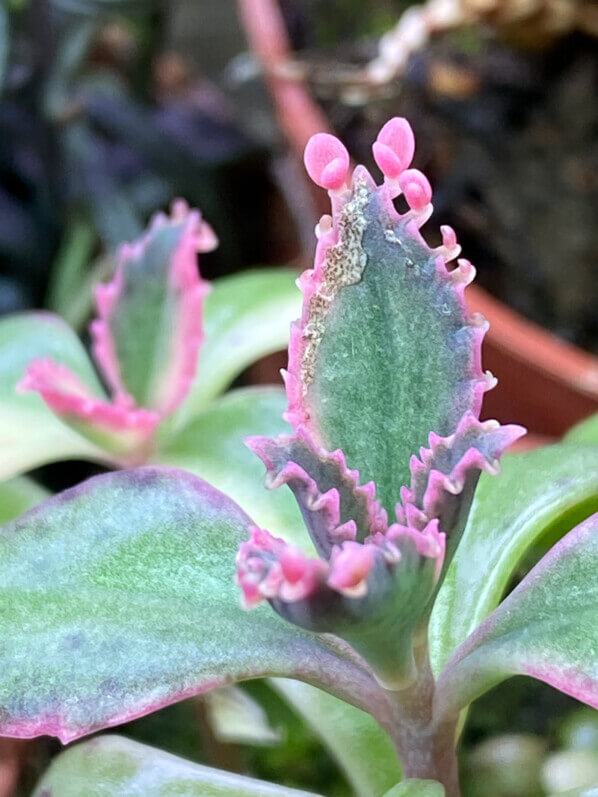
(146, 339)
(384, 362)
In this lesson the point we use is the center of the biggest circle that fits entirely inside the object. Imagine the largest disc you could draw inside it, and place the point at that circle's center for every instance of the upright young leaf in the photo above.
(384, 324)
(385, 359)
(149, 329)
(547, 628)
(118, 597)
(112, 766)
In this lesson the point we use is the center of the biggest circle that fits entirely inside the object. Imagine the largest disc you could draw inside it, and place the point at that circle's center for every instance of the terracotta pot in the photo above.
(544, 383)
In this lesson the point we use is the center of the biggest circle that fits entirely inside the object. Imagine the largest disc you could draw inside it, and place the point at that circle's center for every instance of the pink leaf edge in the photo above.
(442, 468)
(67, 396)
(367, 516)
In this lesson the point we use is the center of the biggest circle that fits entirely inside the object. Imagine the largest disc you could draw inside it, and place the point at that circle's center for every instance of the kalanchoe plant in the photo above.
(118, 597)
(383, 364)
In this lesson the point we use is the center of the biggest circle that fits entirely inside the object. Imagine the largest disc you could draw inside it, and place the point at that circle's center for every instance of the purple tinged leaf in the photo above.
(117, 598)
(546, 628)
(334, 505)
(444, 477)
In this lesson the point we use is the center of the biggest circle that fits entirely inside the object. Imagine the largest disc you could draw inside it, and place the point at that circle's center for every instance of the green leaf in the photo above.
(416, 788)
(70, 269)
(385, 329)
(246, 316)
(584, 432)
(18, 495)
(118, 597)
(112, 766)
(536, 491)
(546, 628)
(236, 718)
(212, 447)
(30, 434)
(362, 749)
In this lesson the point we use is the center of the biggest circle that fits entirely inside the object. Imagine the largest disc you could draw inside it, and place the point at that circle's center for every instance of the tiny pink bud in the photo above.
(417, 189)
(350, 566)
(449, 237)
(394, 148)
(293, 564)
(327, 161)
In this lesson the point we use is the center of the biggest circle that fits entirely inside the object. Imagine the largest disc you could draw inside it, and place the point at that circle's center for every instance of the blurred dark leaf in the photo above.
(4, 43)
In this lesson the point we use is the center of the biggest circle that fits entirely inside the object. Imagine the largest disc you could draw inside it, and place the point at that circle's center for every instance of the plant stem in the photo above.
(425, 744)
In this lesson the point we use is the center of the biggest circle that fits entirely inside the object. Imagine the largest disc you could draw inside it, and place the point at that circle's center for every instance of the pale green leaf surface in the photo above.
(118, 597)
(18, 495)
(235, 717)
(546, 628)
(362, 749)
(584, 432)
(212, 447)
(30, 434)
(112, 766)
(535, 490)
(416, 788)
(393, 358)
(246, 316)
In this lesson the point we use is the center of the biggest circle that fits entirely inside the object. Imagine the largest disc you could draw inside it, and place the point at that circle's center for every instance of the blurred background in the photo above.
(110, 108)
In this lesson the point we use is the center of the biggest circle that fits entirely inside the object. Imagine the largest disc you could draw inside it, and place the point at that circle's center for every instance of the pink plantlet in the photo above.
(450, 248)
(416, 188)
(394, 148)
(327, 161)
(350, 565)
